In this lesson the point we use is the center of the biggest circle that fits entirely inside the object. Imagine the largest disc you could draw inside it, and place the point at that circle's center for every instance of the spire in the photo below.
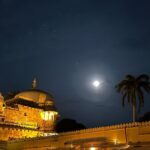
(1, 96)
(34, 84)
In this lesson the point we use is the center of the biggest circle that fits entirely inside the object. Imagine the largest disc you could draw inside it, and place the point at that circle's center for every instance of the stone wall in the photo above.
(118, 136)
(23, 115)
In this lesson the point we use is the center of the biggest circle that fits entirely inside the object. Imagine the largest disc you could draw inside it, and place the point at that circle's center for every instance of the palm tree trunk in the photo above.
(134, 113)
(134, 105)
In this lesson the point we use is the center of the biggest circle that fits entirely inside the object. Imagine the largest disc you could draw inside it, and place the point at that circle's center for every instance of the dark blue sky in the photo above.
(68, 43)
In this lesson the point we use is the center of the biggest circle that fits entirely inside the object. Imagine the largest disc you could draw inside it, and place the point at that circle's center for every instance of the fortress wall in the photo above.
(131, 133)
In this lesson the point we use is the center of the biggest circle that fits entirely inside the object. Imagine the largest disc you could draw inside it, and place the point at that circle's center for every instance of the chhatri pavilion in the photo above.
(27, 122)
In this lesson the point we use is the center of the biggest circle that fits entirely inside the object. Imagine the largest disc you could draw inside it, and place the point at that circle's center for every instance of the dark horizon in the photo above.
(68, 44)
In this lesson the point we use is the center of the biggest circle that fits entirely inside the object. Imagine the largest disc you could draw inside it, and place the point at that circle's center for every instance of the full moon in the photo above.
(96, 83)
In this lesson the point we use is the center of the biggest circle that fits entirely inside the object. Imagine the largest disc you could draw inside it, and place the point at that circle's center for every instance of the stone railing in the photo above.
(111, 127)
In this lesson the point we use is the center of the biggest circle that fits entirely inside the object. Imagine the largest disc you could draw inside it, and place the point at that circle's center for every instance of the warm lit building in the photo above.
(30, 113)
(27, 123)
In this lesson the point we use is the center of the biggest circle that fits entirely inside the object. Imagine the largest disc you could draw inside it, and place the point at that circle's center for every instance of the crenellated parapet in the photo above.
(111, 127)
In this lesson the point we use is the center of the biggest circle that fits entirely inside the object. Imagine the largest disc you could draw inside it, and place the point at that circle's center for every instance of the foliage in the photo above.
(145, 117)
(132, 89)
(66, 125)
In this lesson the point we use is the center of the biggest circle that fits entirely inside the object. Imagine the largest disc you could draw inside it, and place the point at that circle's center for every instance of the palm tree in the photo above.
(132, 89)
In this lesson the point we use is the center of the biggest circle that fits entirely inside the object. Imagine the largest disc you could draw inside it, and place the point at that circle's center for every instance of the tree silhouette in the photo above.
(145, 117)
(132, 89)
(66, 125)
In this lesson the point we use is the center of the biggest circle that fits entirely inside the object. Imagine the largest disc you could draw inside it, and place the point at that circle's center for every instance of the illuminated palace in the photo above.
(30, 113)
(27, 122)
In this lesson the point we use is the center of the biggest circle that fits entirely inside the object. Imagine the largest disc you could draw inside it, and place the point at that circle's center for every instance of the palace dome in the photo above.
(35, 95)
(34, 98)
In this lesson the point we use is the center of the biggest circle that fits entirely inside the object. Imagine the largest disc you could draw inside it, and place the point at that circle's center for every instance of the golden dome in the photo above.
(35, 95)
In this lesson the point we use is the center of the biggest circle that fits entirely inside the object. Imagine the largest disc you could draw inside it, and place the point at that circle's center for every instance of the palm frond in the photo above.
(129, 96)
(130, 77)
(143, 77)
(121, 86)
(145, 85)
(123, 99)
(140, 96)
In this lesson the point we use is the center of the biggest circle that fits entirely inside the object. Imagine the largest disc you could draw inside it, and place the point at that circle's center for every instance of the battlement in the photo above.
(110, 127)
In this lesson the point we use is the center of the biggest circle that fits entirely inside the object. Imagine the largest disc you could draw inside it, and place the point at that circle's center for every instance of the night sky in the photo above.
(66, 44)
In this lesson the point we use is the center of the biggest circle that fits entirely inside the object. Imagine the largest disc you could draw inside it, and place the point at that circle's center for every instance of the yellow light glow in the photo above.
(92, 148)
(115, 141)
(48, 115)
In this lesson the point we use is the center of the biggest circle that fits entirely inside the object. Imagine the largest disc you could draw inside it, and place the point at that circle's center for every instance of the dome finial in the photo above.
(1, 96)
(34, 83)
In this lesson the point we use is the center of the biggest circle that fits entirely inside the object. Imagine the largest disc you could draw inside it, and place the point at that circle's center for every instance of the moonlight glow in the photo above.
(96, 83)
